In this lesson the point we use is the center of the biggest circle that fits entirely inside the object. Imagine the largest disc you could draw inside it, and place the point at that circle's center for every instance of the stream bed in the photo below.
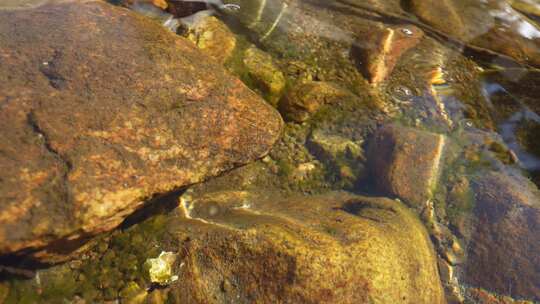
(270, 151)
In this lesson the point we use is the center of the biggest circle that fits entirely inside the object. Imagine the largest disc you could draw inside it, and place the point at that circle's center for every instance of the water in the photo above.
(433, 104)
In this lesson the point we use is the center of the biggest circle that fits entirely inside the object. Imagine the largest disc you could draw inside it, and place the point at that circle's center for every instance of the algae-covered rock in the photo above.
(102, 109)
(333, 248)
(503, 253)
(343, 156)
(304, 99)
(265, 75)
(406, 162)
(214, 38)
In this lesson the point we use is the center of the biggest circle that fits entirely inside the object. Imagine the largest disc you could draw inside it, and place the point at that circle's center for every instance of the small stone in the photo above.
(446, 271)
(160, 268)
(306, 98)
(456, 248)
(302, 171)
(405, 162)
(132, 293)
(383, 49)
(214, 38)
(454, 295)
(342, 154)
(264, 73)
(452, 257)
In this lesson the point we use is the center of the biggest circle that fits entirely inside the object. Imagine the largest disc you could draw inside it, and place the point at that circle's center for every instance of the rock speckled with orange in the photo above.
(100, 110)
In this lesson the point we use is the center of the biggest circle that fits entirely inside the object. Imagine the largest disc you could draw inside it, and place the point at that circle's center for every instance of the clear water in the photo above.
(472, 76)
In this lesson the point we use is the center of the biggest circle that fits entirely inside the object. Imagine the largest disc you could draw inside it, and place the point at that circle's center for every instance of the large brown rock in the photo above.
(503, 252)
(334, 248)
(101, 109)
(405, 162)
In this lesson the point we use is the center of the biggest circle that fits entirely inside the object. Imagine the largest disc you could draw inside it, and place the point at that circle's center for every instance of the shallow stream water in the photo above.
(432, 105)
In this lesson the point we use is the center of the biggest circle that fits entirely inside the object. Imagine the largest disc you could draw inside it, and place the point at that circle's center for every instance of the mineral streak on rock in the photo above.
(382, 50)
(102, 109)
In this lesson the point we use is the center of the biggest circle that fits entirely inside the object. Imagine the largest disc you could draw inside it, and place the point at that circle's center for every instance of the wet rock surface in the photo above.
(405, 162)
(275, 228)
(334, 248)
(119, 110)
(244, 246)
(306, 98)
(263, 72)
(214, 38)
(503, 254)
(381, 52)
(491, 25)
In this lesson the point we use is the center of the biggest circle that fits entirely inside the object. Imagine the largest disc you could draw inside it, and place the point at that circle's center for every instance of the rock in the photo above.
(160, 268)
(264, 74)
(306, 98)
(182, 9)
(214, 38)
(406, 162)
(503, 252)
(521, 88)
(481, 296)
(446, 271)
(491, 25)
(430, 12)
(342, 155)
(380, 52)
(527, 7)
(101, 110)
(160, 4)
(332, 248)
(21, 4)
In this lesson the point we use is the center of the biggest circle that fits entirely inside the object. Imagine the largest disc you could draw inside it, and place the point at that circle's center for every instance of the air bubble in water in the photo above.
(401, 93)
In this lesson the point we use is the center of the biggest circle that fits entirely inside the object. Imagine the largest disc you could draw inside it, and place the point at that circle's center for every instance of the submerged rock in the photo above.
(101, 110)
(160, 268)
(342, 155)
(503, 252)
(382, 50)
(264, 73)
(306, 98)
(332, 248)
(406, 162)
(491, 25)
(21, 4)
(214, 38)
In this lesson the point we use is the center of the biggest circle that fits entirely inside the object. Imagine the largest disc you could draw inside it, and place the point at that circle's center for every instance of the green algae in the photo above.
(115, 263)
